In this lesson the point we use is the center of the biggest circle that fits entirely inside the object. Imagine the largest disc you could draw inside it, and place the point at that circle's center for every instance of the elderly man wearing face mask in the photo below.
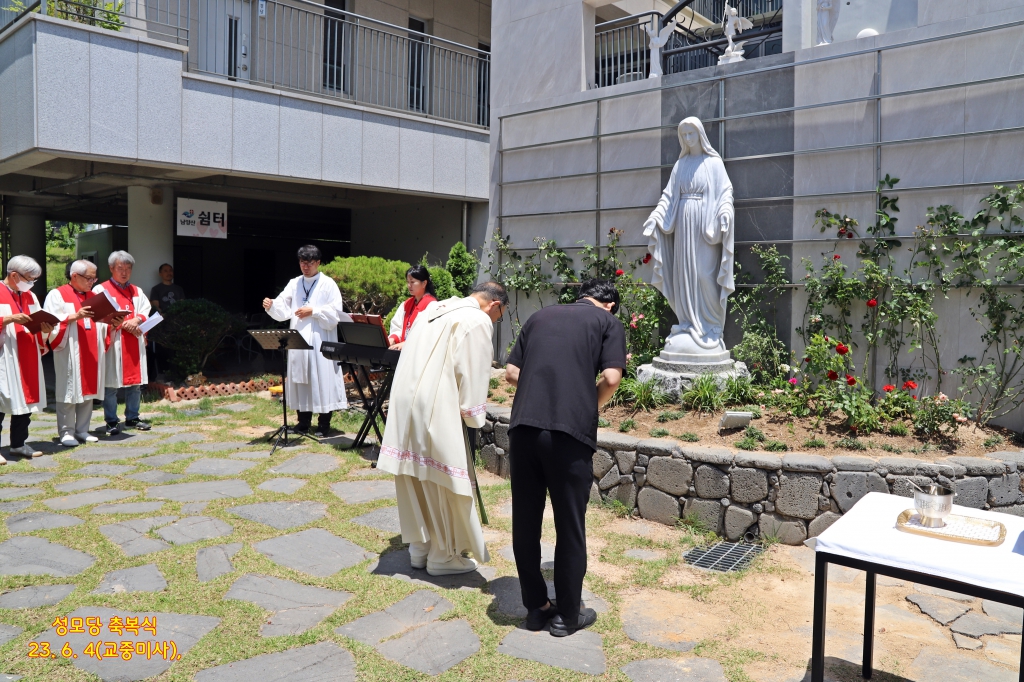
(22, 388)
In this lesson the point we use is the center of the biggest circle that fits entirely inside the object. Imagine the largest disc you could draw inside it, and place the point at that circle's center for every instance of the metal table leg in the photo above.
(820, 597)
(869, 625)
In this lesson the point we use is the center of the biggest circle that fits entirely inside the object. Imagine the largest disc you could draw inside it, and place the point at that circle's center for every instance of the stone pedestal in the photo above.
(676, 377)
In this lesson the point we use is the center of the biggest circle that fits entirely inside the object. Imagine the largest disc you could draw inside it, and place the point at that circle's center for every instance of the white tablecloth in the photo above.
(868, 532)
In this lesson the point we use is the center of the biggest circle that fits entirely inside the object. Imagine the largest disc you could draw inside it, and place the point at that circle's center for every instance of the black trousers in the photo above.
(552, 462)
(19, 428)
(323, 421)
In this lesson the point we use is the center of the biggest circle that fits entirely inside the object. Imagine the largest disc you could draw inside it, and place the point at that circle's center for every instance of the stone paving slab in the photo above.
(213, 562)
(219, 467)
(221, 446)
(105, 470)
(200, 492)
(433, 648)
(139, 579)
(35, 596)
(185, 437)
(183, 630)
(372, 473)
(508, 597)
(15, 493)
(128, 508)
(44, 462)
(358, 492)
(9, 632)
(235, 407)
(32, 521)
(14, 507)
(977, 625)
(582, 651)
(385, 519)
(133, 536)
(956, 596)
(131, 437)
(396, 565)
(323, 662)
(935, 664)
(680, 670)
(296, 608)
(251, 454)
(307, 464)
(99, 453)
(81, 484)
(547, 555)
(30, 555)
(193, 529)
(170, 458)
(286, 486)
(282, 515)
(89, 498)
(1005, 651)
(314, 551)
(194, 508)
(942, 610)
(965, 642)
(155, 476)
(640, 625)
(30, 478)
(419, 608)
(1004, 612)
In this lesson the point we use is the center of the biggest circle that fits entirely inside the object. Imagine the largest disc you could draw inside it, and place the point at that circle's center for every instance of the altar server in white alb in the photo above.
(78, 343)
(312, 303)
(440, 387)
(22, 388)
(125, 359)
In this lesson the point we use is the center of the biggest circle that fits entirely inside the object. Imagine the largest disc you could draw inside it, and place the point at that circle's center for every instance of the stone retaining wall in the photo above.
(793, 496)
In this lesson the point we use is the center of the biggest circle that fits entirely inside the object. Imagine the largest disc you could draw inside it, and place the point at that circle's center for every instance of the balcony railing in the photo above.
(714, 10)
(621, 48)
(303, 46)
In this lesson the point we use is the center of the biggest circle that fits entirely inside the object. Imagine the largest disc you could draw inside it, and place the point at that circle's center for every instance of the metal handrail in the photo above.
(627, 19)
(34, 6)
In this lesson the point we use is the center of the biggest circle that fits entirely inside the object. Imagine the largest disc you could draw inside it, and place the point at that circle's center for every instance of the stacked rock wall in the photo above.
(749, 494)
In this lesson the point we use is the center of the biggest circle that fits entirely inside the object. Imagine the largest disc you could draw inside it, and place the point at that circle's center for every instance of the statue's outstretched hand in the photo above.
(650, 226)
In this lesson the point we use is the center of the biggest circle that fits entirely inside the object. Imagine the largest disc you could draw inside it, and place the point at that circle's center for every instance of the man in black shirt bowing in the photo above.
(555, 364)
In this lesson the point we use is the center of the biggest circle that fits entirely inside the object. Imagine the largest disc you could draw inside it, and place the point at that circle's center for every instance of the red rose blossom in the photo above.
(850, 381)
(849, 235)
(872, 302)
(842, 231)
(842, 349)
(835, 257)
(620, 273)
(909, 385)
(807, 359)
(647, 258)
(888, 388)
(832, 375)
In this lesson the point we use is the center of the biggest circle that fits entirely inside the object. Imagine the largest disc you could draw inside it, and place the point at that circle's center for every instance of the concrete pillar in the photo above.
(799, 25)
(28, 238)
(150, 232)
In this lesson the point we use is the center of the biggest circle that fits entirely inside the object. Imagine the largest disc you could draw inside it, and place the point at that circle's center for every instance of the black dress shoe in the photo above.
(536, 619)
(559, 629)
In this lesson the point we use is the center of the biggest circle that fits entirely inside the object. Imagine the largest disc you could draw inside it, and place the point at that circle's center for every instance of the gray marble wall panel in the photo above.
(994, 106)
(630, 188)
(937, 11)
(550, 196)
(943, 62)
(255, 131)
(842, 171)
(17, 107)
(766, 134)
(160, 97)
(567, 229)
(632, 150)
(206, 124)
(630, 221)
(343, 145)
(478, 173)
(764, 91)
(381, 144)
(994, 53)
(416, 156)
(994, 158)
(860, 207)
(549, 126)
(449, 161)
(834, 80)
(835, 126)
(631, 113)
(761, 178)
(62, 87)
(765, 221)
(113, 96)
(569, 158)
(924, 115)
(925, 164)
(699, 99)
(300, 146)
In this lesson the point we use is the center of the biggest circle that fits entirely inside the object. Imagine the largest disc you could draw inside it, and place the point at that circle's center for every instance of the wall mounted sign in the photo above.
(198, 218)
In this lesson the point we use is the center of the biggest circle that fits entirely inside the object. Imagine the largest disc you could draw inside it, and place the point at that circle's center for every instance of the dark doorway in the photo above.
(257, 279)
(188, 269)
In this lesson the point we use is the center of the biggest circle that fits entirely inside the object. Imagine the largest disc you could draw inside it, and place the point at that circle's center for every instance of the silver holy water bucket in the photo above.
(934, 503)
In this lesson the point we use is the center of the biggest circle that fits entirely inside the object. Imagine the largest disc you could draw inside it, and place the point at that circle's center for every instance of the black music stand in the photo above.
(283, 340)
(371, 336)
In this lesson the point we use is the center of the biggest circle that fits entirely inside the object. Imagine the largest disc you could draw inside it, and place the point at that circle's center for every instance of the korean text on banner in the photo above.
(198, 218)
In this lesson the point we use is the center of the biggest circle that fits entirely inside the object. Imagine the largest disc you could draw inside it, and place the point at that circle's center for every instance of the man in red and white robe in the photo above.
(125, 359)
(78, 343)
(22, 388)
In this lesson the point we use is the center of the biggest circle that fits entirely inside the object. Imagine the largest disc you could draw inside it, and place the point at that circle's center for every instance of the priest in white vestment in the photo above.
(125, 356)
(312, 304)
(78, 343)
(22, 387)
(439, 389)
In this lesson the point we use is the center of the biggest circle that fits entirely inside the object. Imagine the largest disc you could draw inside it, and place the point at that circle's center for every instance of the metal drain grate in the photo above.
(723, 557)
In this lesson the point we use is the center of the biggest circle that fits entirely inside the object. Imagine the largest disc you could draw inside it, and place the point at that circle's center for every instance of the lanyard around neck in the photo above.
(306, 293)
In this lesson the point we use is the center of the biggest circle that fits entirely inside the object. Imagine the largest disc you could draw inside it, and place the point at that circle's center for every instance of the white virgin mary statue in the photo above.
(691, 239)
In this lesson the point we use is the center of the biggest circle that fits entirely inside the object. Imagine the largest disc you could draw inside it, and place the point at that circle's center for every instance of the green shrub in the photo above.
(775, 446)
(755, 433)
(739, 391)
(369, 285)
(898, 429)
(444, 287)
(642, 395)
(494, 382)
(848, 443)
(627, 425)
(747, 443)
(670, 416)
(891, 448)
(753, 409)
(462, 265)
(603, 423)
(815, 442)
(658, 432)
(763, 353)
(993, 441)
(192, 330)
(941, 416)
(689, 437)
(703, 395)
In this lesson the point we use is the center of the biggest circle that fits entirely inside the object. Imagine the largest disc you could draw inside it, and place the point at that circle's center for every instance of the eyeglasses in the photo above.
(86, 278)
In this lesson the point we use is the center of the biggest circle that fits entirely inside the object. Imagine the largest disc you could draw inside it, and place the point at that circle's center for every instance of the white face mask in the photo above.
(24, 286)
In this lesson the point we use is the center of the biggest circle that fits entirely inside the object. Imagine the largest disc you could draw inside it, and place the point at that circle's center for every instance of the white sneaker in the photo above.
(69, 441)
(2, 461)
(453, 566)
(87, 438)
(26, 450)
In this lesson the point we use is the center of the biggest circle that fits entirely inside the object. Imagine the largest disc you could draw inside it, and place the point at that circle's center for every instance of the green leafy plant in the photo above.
(891, 448)
(689, 437)
(754, 306)
(775, 446)
(815, 443)
(641, 395)
(627, 425)
(657, 432)
(603, 423)
(941, 416)
(617, 508)
(898, 429)
(463, 266)
(993, 441)
(747, 443)
(494, 382)
(369, 285)
(848, 443)
(192, 331)
(703, 395)
(755, 433)
(739, 391)
(444, 286)
(670, 415)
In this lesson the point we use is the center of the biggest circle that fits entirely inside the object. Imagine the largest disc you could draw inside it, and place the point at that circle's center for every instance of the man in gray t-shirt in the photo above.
(167, 293)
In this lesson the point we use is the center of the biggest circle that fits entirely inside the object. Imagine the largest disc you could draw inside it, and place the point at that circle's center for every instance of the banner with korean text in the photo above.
(198, 218)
